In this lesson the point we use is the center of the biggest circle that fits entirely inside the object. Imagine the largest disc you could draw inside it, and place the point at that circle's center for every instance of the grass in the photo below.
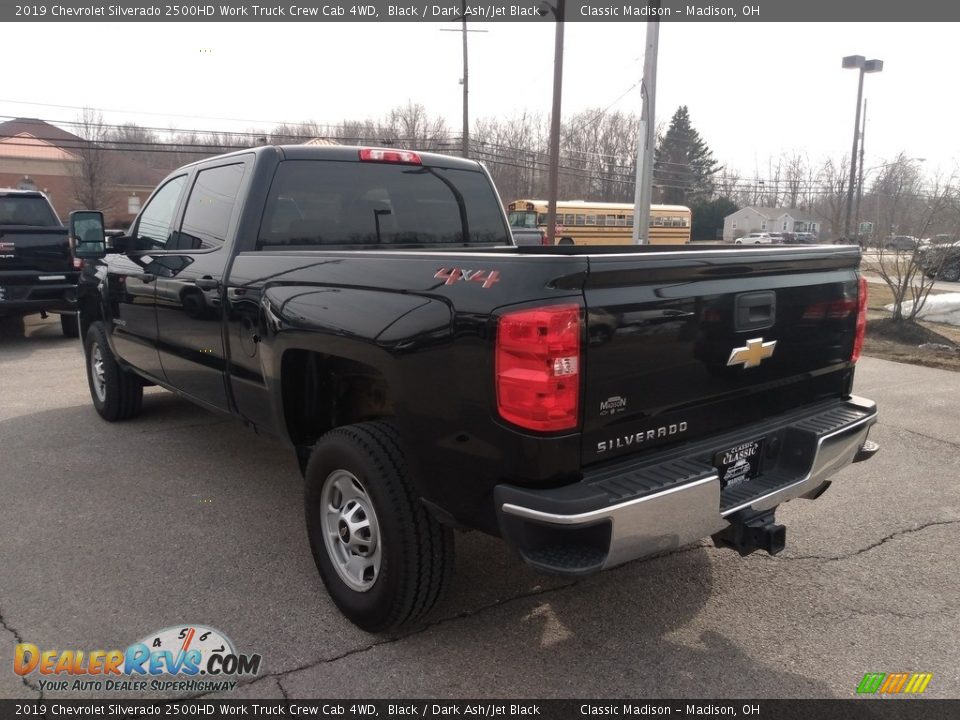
(900, 342)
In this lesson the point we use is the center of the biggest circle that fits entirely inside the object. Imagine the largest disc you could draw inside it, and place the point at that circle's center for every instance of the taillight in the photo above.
(861, 320)
(538, 367)
(544, 238)
(78, 263)
(384, 155)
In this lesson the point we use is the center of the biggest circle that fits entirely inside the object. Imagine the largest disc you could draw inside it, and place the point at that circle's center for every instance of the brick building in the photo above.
(37, 155)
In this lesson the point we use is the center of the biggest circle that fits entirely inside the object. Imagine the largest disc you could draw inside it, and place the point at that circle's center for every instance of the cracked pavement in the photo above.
(110, 532)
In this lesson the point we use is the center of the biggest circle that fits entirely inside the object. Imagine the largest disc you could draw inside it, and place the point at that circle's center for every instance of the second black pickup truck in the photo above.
(589, 405)
(37, 270)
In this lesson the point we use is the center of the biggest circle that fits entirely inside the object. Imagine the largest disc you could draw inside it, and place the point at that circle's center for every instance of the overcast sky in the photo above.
(754, 90)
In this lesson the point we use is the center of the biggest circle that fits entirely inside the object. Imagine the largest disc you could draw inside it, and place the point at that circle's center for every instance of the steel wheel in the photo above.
(98, 380)
(350, 530)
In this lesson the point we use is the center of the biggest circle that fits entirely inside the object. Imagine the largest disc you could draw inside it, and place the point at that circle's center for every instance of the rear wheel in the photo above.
(69, 325)
(116, 393)
(382, 557)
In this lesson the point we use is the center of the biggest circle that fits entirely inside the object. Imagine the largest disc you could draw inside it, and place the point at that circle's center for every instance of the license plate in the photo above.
(739, 463)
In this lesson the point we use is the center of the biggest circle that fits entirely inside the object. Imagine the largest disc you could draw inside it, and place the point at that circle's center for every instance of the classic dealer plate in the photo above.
(739, 463)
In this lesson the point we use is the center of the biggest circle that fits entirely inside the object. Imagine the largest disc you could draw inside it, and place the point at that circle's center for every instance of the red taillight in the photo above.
(544, 238)
(861, 320)
(78, 263)
(538, 367)
(384, 155)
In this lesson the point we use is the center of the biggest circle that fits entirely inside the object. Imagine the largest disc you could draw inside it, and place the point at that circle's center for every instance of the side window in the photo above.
(209, 209)
(156, 222)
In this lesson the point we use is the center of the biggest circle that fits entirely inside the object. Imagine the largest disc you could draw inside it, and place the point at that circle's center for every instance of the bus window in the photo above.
(629, 220)
(601, 219)
(591, 219)
(580, 219)
(658, 221)
(568, 219)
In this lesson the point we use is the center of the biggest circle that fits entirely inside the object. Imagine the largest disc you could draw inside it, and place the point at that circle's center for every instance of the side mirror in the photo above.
(87, 236)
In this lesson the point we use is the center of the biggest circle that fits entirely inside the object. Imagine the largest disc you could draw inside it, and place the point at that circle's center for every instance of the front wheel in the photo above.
(383, 558)
(116, 393)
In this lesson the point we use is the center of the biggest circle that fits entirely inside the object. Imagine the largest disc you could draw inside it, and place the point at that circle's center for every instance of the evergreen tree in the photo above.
(683, 164)
(708, 216)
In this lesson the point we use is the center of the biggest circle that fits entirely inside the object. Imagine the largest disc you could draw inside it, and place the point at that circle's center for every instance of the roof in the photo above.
(770, 213)
(39, 129)
(23, 193)
(600, 205)
(27, 146)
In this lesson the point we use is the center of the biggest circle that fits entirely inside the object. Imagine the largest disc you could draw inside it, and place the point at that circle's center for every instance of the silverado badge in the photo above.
(752, 354)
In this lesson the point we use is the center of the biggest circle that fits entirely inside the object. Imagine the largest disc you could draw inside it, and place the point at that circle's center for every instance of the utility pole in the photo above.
(465, 81)
(553, 176)
(644, 185)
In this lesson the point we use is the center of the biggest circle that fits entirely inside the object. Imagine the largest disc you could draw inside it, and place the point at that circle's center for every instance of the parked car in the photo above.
(755, 238)
(901, 243)
(806, 238)
(777, 238)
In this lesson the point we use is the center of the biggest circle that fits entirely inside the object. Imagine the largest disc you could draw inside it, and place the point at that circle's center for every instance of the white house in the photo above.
(764, 219)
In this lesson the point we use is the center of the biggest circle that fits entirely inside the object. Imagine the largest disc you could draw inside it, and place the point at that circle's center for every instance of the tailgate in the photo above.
(685, 344)
(34, 250)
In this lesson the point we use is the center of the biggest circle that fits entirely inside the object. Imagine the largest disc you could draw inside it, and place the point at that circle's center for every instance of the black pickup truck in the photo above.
(37, 270)
(589, 405)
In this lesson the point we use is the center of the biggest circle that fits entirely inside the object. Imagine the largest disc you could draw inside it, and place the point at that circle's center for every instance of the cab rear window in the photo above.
(30, 210)
(329, 204)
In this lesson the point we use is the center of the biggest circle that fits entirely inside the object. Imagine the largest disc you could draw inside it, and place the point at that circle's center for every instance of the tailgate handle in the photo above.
(755, 311)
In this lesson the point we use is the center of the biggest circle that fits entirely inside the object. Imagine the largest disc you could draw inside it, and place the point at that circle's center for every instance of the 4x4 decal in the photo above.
(451, 276)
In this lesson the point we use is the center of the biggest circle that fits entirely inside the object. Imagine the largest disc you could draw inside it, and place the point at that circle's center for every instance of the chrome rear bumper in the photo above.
(581, 529)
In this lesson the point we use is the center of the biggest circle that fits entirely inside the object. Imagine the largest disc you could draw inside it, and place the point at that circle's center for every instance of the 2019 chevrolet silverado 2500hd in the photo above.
(37, 272)
(590, 405)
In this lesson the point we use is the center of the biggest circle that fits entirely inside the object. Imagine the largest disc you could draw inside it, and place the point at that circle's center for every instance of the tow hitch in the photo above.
(754, 532)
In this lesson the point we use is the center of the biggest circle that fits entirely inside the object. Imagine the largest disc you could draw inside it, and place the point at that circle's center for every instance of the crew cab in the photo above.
(589, 405)
(37, 272)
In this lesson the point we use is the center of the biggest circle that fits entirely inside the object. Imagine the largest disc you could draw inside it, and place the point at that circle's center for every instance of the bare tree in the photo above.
(907, 205)
(831, 195)
(92, 175)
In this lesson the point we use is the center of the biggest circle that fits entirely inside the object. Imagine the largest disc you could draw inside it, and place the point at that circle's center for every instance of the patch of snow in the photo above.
(943, 308)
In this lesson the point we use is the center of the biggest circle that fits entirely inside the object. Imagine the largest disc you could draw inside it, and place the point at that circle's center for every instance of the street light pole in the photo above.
(860, 63)
(863, 142)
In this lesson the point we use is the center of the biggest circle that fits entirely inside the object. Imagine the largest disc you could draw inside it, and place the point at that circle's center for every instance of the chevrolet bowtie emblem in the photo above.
(752, 354)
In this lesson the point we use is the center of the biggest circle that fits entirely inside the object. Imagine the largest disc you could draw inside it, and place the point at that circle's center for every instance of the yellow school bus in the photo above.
(595, 223)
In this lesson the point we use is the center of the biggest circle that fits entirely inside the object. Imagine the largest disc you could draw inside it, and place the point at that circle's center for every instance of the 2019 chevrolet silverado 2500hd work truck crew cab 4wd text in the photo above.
(37, 272)
(590, 405)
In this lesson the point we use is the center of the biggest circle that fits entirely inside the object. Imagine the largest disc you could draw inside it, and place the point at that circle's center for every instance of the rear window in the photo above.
(330, 203)
(26, 210)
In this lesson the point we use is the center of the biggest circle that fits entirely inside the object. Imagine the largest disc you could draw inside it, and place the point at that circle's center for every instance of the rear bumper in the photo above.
(48, 291)
(632, 509)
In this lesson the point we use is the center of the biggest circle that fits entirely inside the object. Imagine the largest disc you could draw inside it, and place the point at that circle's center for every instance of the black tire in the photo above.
(121, 394)
(416, 551)
(950, 274)
(69, 325)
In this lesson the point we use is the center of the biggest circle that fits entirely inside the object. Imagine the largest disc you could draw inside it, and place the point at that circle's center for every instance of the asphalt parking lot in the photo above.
(110, 532)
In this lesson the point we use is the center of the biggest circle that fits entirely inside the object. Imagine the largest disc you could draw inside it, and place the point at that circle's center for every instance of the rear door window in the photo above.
(329, 204)
(209, 209)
